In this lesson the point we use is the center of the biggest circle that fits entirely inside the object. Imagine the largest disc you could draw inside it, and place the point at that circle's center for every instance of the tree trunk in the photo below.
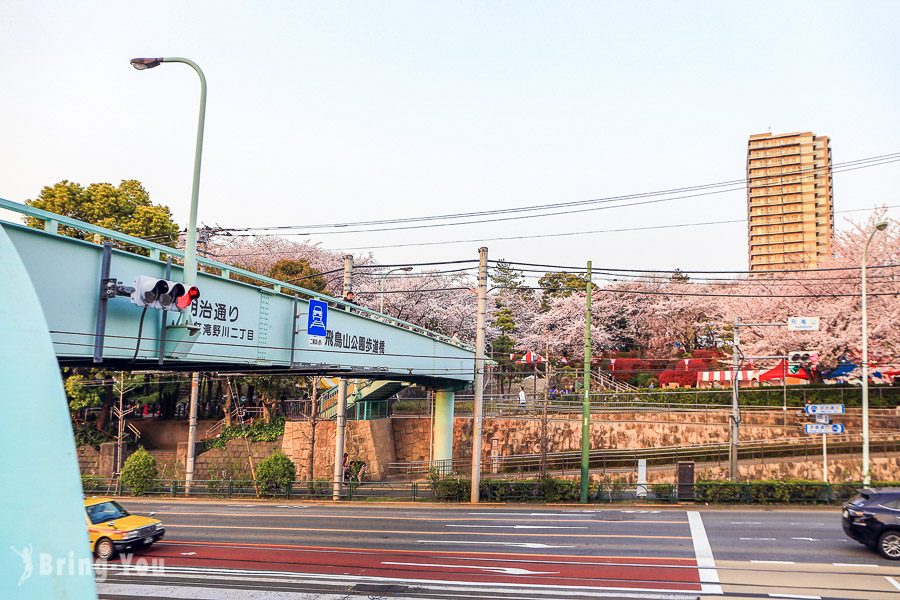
(106, 406)
(229, 400)
(311, 458)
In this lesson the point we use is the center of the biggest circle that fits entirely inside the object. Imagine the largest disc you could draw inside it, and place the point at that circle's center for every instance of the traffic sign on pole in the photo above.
(820, 428)
(824, 409)
(317, 323)
(803, 323)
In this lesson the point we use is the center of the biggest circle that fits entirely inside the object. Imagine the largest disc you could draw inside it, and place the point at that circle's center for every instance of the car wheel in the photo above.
(104, 550)
(889, 545)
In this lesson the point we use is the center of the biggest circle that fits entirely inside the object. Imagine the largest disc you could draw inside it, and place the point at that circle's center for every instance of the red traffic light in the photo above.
(185, 300)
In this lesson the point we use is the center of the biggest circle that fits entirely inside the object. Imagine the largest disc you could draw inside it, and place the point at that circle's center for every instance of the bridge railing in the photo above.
(53, 221)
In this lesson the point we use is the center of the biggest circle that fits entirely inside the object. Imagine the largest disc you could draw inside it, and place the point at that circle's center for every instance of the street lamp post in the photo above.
(190, 242)
(864, 366)
(383, 277)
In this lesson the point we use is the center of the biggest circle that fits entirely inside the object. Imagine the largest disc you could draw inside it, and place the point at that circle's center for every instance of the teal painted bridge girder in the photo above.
(244, 326)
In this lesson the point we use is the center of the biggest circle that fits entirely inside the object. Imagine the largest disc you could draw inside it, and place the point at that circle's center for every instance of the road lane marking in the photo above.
(519, 526)
(854, 565)
(773, 562)
(310, 516)
(438, 585)
(706, 564)
(746, 523)
(798, 596)
(757, 539)
(487, 568)
(893, 582)
(403, 532)
(655, 560)
(809, 524)
(512, 544)
(805, 539)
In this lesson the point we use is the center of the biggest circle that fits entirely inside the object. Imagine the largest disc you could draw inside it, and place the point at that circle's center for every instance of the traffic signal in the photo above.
(802, 358)
(161, 293)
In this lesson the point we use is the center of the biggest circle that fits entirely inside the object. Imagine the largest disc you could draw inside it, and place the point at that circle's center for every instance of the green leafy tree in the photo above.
(139, 473)
(559, 285)
(125, 208)
(275, 472)
(505, 277)
(298, 272)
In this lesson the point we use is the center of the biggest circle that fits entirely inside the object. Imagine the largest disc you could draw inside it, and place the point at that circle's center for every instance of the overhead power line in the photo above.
(700, 190)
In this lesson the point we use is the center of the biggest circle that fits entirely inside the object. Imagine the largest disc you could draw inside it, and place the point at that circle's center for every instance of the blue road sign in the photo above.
(823, 428)
(318, 318)
(824, 409)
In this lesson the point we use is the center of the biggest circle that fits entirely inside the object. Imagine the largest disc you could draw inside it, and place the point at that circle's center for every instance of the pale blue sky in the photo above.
(326, 111)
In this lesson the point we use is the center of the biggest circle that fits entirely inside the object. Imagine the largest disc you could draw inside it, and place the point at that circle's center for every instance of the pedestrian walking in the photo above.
(522, 398)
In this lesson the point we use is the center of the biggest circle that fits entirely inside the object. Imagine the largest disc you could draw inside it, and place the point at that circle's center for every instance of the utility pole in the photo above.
(546, 398)
(341, 418)
(735, 409)
(586, 402)
(348, 273)
(195, 398)
(479, 373)
(120, 437)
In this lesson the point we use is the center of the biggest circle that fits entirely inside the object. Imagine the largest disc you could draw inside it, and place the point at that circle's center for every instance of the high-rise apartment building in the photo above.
(789, 200)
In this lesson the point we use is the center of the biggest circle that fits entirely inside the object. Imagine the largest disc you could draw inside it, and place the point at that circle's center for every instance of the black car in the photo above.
(873, 518)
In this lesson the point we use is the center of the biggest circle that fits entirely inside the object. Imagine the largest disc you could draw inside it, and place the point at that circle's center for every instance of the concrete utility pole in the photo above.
(120, 434)
(479, 373)
(735, 408)
(546, 399)
(586, 402)
(864, 366)
(348, 273)
(341, 418)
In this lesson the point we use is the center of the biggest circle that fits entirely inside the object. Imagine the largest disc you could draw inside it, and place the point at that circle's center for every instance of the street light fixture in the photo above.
(190, 242)
(864, 366)
(383, 277)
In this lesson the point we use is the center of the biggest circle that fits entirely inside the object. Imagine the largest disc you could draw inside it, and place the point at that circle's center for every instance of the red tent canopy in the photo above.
(782, 369)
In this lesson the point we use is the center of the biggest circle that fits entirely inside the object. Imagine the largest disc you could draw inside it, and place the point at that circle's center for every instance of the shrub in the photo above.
(139, 473)
(276, 472)
(91, 484)
(257, 431)
(450, 488)
(663, 491)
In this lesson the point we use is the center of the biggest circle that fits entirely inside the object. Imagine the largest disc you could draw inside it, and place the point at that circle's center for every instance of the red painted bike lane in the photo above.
(570, 571)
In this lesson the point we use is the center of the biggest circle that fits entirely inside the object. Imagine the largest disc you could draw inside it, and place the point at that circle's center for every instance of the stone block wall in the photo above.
(88, 460)
(230, 462)
(370, 441)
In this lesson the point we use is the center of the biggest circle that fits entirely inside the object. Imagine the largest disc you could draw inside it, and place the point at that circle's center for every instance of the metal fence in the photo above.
(549, 490)
(624, 460)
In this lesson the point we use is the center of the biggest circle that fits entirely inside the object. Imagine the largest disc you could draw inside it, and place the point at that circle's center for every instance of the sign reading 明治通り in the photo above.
(317, 322)
(222, 320)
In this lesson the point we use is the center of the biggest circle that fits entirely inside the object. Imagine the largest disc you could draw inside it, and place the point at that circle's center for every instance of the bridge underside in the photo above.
(299, 370)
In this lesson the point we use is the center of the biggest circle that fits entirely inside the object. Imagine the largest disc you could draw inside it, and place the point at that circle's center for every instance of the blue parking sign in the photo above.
(317, 322)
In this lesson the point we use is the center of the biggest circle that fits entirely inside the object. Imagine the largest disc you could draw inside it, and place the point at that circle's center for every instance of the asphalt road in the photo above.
(242, 550)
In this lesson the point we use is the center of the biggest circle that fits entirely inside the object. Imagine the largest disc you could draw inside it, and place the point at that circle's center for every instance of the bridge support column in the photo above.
(443, 429)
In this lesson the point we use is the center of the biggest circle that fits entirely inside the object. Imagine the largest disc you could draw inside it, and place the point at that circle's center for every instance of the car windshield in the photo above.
(105, 511)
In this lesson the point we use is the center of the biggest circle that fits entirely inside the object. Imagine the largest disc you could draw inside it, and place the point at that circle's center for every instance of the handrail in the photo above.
(156, 249)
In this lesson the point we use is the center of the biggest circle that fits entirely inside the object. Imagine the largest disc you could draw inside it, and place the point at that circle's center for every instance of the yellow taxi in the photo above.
(113, 529)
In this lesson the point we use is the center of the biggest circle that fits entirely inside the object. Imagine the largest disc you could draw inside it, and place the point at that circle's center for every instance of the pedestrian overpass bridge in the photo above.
(242, 322)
